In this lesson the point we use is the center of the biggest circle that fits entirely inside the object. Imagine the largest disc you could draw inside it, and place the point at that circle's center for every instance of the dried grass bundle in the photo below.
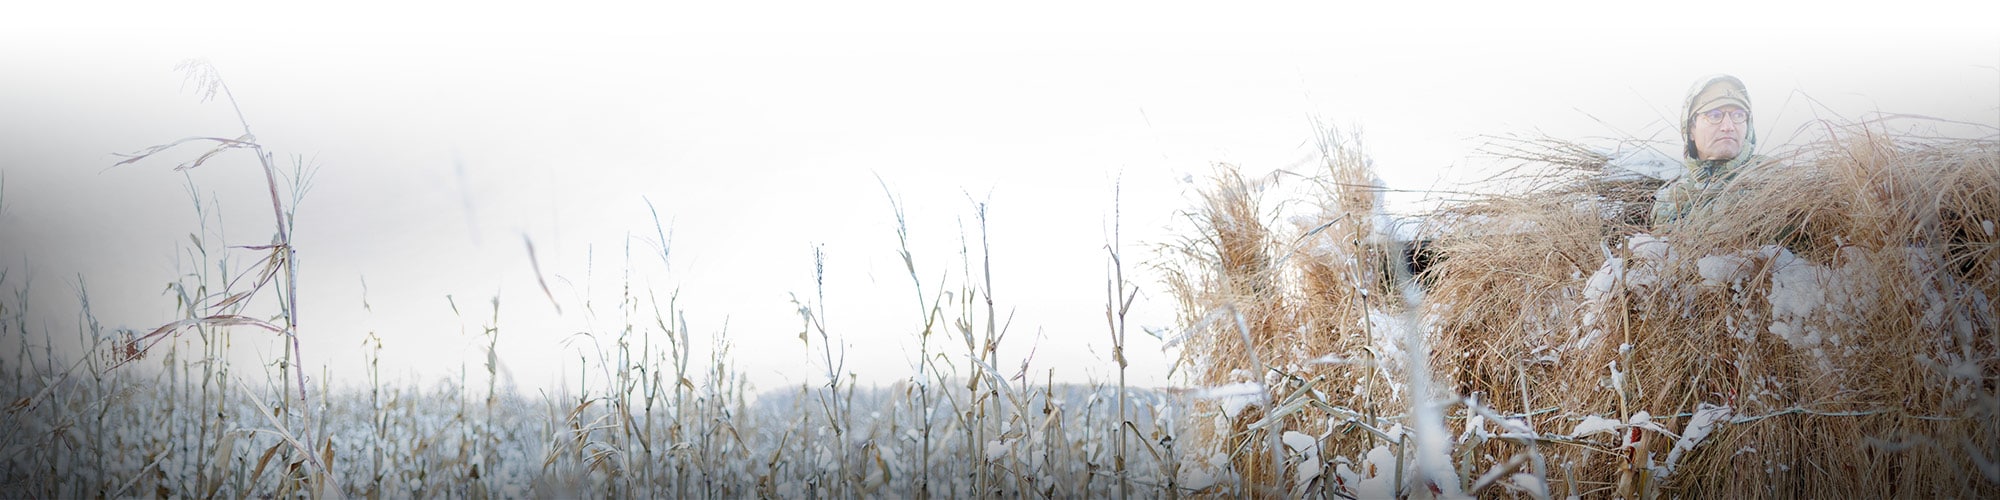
(1283, 322)
(1825, 331)
(1234, 307)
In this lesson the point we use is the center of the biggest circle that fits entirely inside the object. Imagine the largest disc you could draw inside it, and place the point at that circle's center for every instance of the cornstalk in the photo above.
(1117, 303)
(923, 404)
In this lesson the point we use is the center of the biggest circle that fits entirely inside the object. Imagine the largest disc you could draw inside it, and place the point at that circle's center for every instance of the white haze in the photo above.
(445, 135)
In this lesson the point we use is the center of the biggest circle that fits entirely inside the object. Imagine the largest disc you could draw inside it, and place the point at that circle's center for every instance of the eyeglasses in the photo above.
(1714, 116)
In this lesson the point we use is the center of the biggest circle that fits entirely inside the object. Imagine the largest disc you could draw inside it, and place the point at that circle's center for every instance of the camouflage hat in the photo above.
(1720, 92)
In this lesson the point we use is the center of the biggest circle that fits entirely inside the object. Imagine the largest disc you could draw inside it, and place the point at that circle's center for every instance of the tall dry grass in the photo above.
(1825, 330)
(1827, 325)
(1295, 329)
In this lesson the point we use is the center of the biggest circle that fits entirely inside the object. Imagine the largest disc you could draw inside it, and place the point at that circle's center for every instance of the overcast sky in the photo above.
(446, 135)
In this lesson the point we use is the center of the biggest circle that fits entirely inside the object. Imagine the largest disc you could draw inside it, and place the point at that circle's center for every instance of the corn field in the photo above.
(1831, 332)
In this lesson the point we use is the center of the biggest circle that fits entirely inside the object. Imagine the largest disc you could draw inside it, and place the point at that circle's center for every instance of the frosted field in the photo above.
(167, 413)
(899, 251)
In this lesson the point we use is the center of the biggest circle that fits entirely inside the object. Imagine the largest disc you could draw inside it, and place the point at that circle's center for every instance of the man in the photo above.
(1718, 140)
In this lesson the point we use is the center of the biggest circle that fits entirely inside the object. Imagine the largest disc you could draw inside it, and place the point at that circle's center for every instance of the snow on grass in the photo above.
(1234, 397)
(1593, 424)
(1727, 269)
(1375, 477)
(1310, 466)
(1330, 359)
(1795, 295)
(1535, 486)
(1602, 281)
(1698, 428)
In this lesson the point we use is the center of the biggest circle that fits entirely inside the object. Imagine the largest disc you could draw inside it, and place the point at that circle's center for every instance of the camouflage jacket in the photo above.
(1703, 188)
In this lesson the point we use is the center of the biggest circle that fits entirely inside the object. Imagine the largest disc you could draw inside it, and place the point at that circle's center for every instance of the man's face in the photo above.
(1718, 133)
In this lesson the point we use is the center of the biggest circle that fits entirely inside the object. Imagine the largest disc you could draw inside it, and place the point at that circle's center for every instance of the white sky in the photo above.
(445, 133)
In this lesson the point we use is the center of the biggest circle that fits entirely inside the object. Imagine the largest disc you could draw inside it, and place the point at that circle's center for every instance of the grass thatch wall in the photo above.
(1826, 330)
